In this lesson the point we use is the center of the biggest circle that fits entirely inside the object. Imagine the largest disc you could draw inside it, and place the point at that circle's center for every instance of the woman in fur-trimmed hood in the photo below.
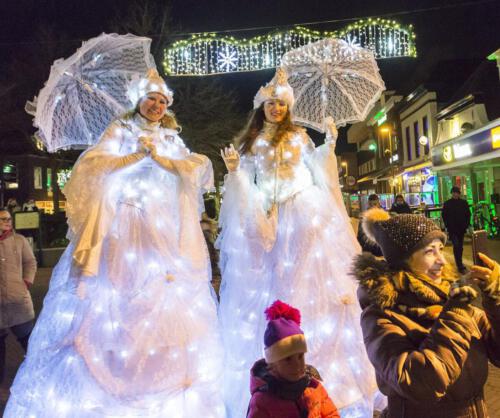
(430, 347)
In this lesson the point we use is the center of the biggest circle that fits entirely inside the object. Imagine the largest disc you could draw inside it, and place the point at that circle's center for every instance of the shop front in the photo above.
(472, 163)
(420, 186)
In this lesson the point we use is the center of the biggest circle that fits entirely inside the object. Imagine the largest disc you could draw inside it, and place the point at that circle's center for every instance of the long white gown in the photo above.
(300, 254)
(130, 329)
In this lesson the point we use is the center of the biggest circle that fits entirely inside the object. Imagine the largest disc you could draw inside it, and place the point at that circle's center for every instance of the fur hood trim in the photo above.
(383, 285)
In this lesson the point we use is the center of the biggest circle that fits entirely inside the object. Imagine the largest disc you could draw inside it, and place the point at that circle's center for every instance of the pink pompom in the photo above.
(280, 309)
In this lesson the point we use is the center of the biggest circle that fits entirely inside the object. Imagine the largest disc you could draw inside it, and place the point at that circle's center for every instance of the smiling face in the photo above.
(291, 368)
(275, 110)
(153, 106)
(429, 260)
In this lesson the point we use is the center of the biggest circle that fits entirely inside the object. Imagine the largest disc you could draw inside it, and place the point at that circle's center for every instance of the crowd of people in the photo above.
(131, 326)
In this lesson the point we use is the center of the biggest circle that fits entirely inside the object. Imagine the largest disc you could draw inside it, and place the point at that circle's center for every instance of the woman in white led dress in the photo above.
(286, 235)
(129, 324)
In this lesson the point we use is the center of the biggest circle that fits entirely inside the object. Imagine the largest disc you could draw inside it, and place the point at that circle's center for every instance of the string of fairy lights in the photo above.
(209, 53)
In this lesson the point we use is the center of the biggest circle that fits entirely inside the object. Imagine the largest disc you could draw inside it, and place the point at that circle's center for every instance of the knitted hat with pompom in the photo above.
(283, 336)
(400, 236)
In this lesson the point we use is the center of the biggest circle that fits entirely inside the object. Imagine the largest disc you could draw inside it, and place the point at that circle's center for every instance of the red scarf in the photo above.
(6, 234)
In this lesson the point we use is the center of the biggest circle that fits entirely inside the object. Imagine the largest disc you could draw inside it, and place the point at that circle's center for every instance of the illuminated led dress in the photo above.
(129, 324)
(286, 235)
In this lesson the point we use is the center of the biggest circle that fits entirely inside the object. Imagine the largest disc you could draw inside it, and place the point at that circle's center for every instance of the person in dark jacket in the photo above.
(400, 206)
(429, 345)
(456, 217)
(367, 245)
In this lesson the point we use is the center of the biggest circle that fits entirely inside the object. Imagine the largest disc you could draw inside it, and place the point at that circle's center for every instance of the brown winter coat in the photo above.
(430, 354)
(17, 263)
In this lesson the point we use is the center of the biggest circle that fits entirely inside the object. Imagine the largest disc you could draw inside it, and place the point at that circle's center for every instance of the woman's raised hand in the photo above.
(331, 130)
(231, 158)
(487, 277)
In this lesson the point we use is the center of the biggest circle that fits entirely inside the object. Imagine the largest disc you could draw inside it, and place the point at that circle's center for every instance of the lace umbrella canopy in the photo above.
(332, 78)
(87, 90)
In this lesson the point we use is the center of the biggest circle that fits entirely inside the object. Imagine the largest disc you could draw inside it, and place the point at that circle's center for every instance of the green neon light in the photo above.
(492, 57)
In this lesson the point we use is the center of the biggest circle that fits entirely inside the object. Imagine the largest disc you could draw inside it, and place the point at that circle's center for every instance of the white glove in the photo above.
(146, 144)
(331, 130)
(231, 158)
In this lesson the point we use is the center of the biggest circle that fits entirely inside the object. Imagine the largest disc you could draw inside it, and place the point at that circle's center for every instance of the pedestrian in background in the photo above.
(367, 245)
(13, 206)
(17, 273)
(456, 217)
(400, 206)
(30, 206)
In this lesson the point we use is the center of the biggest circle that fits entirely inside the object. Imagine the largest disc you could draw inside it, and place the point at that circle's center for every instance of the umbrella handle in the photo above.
(331, 129)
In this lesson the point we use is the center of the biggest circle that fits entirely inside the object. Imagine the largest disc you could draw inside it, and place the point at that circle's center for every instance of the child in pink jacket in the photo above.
(281, 384)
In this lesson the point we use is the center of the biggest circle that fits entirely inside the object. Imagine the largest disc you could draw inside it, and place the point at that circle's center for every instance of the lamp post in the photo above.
(387, 130)
(345, 166)
(344, 172)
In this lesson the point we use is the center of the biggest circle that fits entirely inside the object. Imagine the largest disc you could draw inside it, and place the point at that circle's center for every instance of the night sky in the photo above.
(450, 40)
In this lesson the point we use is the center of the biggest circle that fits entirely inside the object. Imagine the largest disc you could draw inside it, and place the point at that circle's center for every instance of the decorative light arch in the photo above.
(208, 54)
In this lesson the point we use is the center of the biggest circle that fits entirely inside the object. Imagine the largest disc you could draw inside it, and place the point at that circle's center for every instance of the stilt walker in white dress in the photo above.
(129, 325)
(286, 235)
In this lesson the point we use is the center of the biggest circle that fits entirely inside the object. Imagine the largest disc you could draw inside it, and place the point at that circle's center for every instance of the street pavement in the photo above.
(15, 354)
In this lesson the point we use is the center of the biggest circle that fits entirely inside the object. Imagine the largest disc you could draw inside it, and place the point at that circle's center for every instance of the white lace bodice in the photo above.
(280, 169)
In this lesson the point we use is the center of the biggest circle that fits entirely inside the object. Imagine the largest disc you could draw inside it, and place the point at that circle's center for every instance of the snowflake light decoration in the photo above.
(228, 60)
(209, 53)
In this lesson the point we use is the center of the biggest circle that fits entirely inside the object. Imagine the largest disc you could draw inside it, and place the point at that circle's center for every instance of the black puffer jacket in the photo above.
(456, 215)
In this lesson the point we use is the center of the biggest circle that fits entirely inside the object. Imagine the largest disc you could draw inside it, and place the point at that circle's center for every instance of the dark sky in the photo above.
(452, 29)
(447, 30)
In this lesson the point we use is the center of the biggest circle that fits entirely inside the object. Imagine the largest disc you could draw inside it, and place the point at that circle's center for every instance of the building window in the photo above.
(37, 178)
(416, 139)
(10, 175)
(425, 129)
(408, 143)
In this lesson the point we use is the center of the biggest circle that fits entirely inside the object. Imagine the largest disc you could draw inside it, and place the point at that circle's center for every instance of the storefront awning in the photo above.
(468, 161)
(377, 175)
(367, 178)
(415, 167)
(478, 145)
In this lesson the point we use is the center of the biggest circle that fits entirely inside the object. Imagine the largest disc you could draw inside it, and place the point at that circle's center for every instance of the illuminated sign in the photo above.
(479, 143)
(495, 137)
(462, 150)
(447, 154)
(456, 151)
(382, 120)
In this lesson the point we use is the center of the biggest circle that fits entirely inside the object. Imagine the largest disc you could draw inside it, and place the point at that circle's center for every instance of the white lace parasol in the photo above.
(87, 90)
(332, 78)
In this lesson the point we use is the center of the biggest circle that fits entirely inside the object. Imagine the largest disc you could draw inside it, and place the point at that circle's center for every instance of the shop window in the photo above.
(416, 137)
(37, 178)
(425, 132)
(408, 143)
(10, 175)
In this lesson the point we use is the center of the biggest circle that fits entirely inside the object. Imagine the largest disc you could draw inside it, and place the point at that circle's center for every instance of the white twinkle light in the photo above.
(205, 54)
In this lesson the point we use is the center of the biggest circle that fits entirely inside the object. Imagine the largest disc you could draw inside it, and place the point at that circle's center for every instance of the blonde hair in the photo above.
(168, 120)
